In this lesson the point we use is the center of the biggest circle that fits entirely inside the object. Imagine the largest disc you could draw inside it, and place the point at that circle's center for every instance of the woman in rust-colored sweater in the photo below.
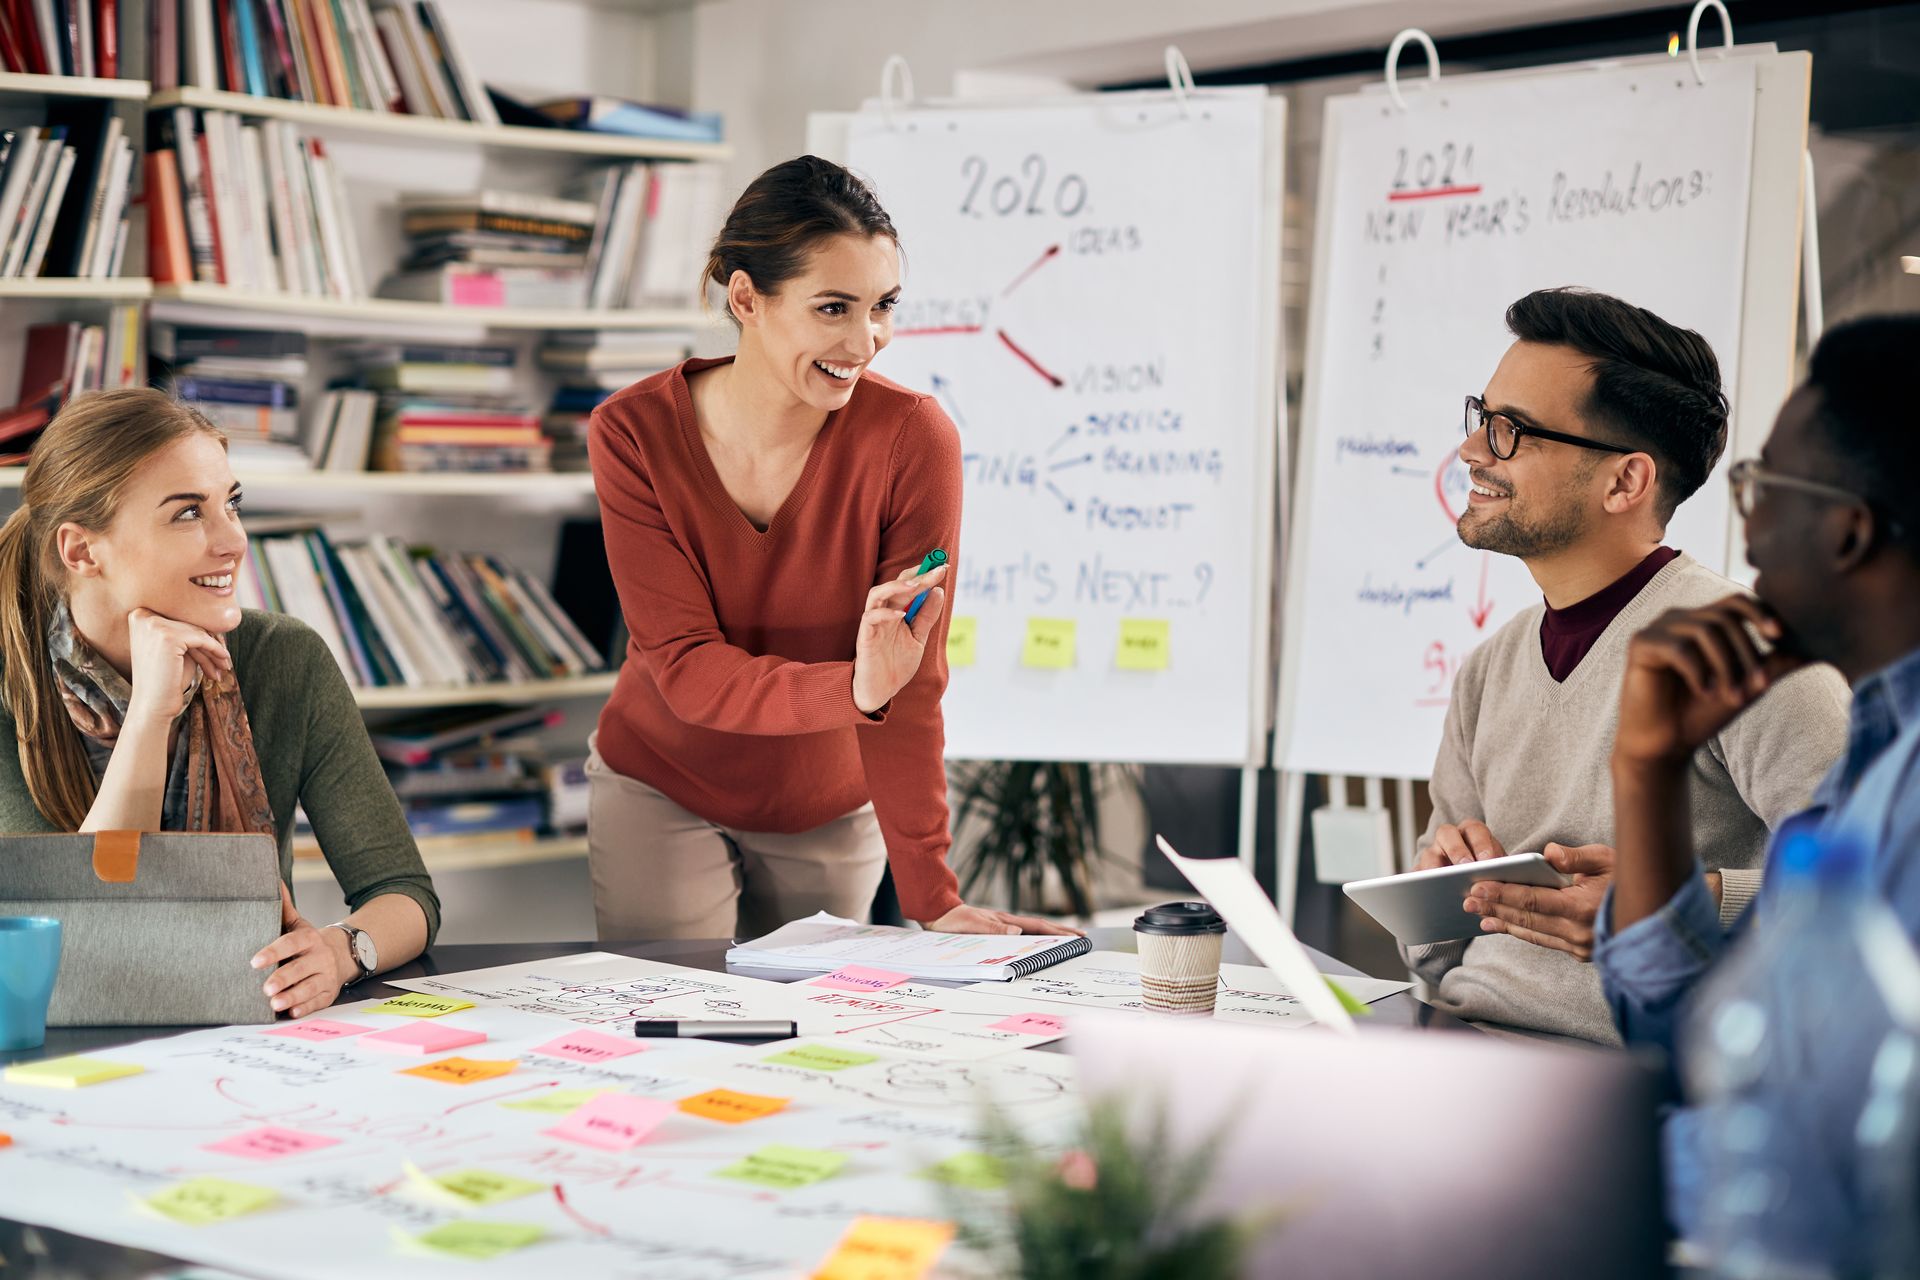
(775, 737)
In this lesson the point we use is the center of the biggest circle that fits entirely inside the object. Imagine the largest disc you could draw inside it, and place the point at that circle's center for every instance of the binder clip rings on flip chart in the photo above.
(1693, 34)
(1393, 63)
(896, 86)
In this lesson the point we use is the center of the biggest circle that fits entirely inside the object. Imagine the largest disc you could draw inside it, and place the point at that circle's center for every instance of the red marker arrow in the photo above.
(1038, 263)
(1483, 610)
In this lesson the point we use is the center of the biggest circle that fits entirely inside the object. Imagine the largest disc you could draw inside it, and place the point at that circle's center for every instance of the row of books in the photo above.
(51, 224)
(592, 366)
(626, 235)
(254, 206)
(394, 615)
(60, 37)
(247, 382)
(372, 55)
(61, 359)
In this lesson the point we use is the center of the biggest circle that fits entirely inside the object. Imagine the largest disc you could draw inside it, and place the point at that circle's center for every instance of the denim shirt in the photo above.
(1649, 969)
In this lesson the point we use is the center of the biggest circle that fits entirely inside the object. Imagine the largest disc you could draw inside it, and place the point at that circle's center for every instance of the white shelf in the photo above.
(13, 85)
(393, 697)
(392, 311)
(421, 128)
(479, 853)
(535, 484)
(55, 288)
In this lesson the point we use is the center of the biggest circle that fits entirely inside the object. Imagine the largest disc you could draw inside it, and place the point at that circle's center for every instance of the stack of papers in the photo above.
(823, 943)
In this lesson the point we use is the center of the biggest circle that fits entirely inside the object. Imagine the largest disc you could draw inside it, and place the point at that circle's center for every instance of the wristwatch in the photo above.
(360, 947)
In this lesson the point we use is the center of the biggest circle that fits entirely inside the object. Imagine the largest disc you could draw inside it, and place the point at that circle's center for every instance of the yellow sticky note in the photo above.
(460, 1070)
(70, 1073)
(201, 1201)
(730, 1107)
(1050, 644)
(485, 1187)
(475, 1241)
(556, 1102)
(886, 1249)
(975, 1170)
(961, 634)
(415, 1005)
(1145, 644)
(785, 1167)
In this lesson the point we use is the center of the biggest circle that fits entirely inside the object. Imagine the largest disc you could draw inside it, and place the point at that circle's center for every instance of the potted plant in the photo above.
(1032, 828)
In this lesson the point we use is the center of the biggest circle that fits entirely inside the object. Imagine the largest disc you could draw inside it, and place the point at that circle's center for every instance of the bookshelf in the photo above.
(15, 88)
(396, 698)
(77, 289)
(382, 124)
(217, 297)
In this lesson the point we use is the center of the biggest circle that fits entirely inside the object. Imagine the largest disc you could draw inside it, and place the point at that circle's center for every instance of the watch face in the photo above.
(364, 952)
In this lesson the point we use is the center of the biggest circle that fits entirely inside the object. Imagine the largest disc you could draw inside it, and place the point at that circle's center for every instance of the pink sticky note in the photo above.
(613, 1121)
(855, 977)
(315, 1029)
(422, 1037)
(1031, 1024)
(270, 1143)
(589, 1046)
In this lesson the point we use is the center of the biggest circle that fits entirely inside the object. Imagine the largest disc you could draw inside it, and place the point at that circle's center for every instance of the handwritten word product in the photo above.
(70, 1073)
(613, 1121)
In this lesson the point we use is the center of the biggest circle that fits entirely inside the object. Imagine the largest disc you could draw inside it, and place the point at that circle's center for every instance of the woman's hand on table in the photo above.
(312, 967)
(965, 919)
(887, 651)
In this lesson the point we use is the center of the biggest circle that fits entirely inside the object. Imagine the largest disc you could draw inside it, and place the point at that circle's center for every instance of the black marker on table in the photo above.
(743, 1030)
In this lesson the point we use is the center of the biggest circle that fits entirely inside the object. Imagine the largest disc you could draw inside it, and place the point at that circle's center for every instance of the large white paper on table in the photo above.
(822, 943)
(1248, 993)
(612, 992)
(80, 1159)
(1232, 891)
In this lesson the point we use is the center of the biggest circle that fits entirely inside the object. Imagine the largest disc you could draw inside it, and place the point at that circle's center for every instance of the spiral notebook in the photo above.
(823, 943)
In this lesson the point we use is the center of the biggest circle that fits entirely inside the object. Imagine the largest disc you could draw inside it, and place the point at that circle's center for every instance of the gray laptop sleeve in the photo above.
(156, 929)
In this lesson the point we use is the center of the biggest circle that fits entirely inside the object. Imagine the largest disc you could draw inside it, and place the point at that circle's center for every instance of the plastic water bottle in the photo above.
(1802, 1056)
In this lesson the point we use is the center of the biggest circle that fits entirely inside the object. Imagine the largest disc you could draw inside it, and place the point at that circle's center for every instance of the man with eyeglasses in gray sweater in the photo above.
(1599, 421)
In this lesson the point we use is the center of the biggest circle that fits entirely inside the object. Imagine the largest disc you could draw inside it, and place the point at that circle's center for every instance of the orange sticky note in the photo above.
(730, 1107)
(6, 1139)
(460, 1070)
(886, 1249)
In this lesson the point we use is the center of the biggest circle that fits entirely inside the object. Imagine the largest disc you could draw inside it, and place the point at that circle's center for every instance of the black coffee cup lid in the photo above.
(1179, 919)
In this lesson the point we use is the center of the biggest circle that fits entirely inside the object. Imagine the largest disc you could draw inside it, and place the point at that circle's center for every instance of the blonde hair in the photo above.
(75, 475)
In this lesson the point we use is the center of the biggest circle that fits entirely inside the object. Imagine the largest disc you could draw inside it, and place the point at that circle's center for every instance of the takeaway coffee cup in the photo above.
(29, 962)
(1179, 945)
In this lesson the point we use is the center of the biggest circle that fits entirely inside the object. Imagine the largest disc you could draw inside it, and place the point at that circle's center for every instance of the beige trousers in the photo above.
(660, 871)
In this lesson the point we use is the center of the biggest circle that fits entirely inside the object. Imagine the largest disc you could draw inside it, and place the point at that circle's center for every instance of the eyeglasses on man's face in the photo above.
(1747, 478)
(1504, 432)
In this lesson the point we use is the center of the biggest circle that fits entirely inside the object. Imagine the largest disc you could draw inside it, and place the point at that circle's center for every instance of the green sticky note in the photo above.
(1145, 645)
(975, 1170)
(1050, 644)
(785, 1167)
(202, 1201)
(1347, 1000)
(961, 635)
(556, 1102)
(415, 1005)
(477, 1241)
(70, 1073)
(484, 1186)
(823, 1057)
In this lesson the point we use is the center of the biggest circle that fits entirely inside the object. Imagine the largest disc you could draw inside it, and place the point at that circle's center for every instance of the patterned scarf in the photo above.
(224, 789)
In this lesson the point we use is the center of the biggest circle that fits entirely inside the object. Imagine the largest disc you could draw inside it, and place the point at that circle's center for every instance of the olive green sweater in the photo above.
(314, 753)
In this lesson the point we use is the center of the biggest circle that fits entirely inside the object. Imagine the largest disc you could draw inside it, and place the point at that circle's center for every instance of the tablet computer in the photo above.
(1424, 906)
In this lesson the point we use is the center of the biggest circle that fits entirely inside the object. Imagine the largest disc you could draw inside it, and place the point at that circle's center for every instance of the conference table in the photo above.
(61, 1253)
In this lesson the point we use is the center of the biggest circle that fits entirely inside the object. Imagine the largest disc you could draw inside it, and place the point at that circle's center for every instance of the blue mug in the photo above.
(29, 962)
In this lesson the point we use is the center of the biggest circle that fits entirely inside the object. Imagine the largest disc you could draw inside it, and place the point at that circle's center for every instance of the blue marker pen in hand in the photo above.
(934, 559)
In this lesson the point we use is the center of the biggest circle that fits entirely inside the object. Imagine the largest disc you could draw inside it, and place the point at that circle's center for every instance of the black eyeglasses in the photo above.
(1747, 478)
(1503, 432)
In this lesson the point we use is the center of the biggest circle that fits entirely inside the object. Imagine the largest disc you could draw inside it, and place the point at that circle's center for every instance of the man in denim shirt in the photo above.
(1832, 513)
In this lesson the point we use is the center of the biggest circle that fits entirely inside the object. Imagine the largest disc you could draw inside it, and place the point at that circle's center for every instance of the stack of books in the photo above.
(255, 207)
(601, 114)
(70, 38)
(494, 249)
(398, 616)
(592, 366)
(653, 228)
(469, 771)
(448, 408)
(247, 382)
(64, 190)
(61, 359)
(373, 55)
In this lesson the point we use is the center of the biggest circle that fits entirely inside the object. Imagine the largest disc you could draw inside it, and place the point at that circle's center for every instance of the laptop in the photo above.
(1402, 1153)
